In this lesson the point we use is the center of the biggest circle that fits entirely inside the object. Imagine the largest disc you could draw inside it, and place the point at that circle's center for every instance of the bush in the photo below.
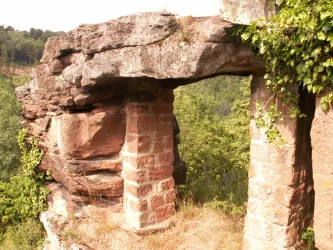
(9, 127)
(309, 238)
(215, 148)
(26, 236)
(24, 196)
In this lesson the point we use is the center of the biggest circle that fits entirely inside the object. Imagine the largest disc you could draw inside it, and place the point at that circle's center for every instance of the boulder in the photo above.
(87, 135)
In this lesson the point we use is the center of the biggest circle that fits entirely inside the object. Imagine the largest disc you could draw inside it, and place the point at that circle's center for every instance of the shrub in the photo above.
(215, 148)
(9, 127)
(309, 238)
(27, 235)
(24, 196)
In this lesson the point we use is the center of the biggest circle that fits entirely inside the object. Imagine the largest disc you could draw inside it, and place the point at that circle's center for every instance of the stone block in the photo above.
(165, 129)
(139, 219)
(322, 160)
(86, 135)
(166, 117)
(138, 144)
(101, 183)
(83, 166)
(142, 161)
(275, 213)
(261, 190)
(142, 125)
(165, 157)
(162, 144)
(269, 153)
(157, 201)
(259, 228)
(170, 196)
(167, 184)
(137, 205)
(160, 172)
(165, 212)
(250, 243)
(138, 191)
(131, 174)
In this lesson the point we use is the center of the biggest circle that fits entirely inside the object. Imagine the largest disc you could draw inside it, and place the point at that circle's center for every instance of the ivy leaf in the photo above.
(325, 15)
(309, 88)
(330, 39)
(324, 105)
(245, 36)
(328, 63)
(326, 28)
(306, 81)
(263, 49)
(321, 36)
(302, 38)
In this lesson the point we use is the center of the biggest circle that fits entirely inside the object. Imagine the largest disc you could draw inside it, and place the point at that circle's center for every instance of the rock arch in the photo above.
(101, 103)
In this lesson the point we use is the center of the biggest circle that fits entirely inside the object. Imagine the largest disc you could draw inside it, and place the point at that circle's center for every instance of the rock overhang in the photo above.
(101, 103)
(153, 45)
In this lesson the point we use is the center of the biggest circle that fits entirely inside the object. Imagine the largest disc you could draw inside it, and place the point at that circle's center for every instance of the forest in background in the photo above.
(22, 191)
(214, 118)
(23, 47)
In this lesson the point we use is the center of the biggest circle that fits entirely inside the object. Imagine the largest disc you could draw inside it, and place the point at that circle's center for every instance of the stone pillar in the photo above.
(280, 203)
(322, 144)
(149, 192)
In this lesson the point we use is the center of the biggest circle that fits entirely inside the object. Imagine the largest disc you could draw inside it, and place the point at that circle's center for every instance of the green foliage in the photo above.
(222, 90)
(9, 127)
(28, 235)
(227, 206)
(214, 147)
(20, 80)
(269, 120)
(309, 238)
(297, 47)
(24, 196)
(22, 46)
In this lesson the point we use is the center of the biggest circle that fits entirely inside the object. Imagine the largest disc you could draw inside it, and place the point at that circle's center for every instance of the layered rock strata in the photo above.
(101, 103)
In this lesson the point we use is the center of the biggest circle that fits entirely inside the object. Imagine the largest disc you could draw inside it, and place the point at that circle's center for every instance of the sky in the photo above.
(66, 15)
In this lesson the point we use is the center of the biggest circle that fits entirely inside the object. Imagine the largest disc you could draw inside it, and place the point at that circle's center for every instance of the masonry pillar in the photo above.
(322, 143)
(149, 192)
(280, 203)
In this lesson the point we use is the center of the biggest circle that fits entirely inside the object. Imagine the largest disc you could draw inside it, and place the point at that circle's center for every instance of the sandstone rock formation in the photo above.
(246, 11)
(321, 139)
(102, 104)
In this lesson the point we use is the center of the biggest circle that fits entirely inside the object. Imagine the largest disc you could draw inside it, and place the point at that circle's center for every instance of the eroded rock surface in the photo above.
(76, 100)
(321, 138)
(246, 11)
(101, 104)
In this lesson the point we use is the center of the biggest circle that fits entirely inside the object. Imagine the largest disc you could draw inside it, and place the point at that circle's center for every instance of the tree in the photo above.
(9, 126)
(215, 148)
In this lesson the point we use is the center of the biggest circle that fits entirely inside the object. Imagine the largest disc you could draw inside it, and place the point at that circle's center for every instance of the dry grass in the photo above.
(193, 228)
